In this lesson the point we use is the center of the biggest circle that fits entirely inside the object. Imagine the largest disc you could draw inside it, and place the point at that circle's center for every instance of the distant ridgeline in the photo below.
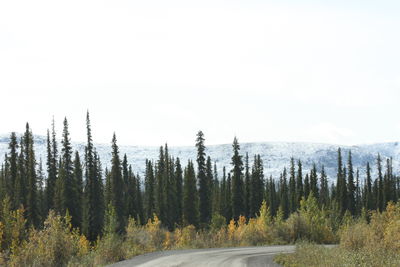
(275, 155)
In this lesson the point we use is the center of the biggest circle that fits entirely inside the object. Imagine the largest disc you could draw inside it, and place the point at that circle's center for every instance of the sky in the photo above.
(159, 71)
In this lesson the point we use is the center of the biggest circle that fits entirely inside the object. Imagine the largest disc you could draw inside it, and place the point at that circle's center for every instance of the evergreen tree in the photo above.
(67, 184)
(271, 197)
(307, 189)
(257, 186)
(52, 158)
(216, 195)
(41, 193)
(13, 170)
(375, 189)
(160, 187)
(299, 184)
(78, 191)
(324, 190)
(292, 187)
(204, 182)
(369, 205)
(20, 186)
(380, 199)
(107, 188)
(228, 214)
(226, 208)
(138, 197)
(32, 209)
(210, 182)
(117, 197)
(93, 193)
(237, 181)
(127, 189)
(190, 197)
(388, 184)
(172, 200)
(284, 197)
(149, 190)
(358, 194)
(314, 182)
(341, 190)
(179, 190)
(351, 189)
(247, 187)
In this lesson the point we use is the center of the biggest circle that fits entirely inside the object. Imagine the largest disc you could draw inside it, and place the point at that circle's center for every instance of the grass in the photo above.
(310, 255)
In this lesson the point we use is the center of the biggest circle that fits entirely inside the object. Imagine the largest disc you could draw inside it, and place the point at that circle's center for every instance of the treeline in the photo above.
(179, 194)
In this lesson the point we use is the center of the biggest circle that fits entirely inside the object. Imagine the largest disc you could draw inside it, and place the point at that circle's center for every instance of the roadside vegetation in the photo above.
(368, 241)
(59, 244)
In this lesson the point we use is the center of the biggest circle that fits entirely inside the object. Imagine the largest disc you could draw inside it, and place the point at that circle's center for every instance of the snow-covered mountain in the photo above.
(275, 155)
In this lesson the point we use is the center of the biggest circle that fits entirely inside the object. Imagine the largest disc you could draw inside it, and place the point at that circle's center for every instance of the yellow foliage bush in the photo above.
(156, 233)
(55, 245)
(355, 237)
(186, 237)
(231, 230)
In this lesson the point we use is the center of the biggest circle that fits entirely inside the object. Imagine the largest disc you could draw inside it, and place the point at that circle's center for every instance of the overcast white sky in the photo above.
(157, 71)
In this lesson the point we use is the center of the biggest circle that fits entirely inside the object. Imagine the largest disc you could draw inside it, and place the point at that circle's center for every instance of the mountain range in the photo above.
(275, 155)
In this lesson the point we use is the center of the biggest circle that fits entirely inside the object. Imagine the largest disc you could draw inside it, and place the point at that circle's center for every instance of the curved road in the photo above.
(221, 257)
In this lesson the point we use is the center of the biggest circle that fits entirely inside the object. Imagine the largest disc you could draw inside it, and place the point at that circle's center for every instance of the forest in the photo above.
(106, 215)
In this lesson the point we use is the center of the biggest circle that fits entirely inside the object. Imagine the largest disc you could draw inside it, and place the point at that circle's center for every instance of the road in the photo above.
(219, 257)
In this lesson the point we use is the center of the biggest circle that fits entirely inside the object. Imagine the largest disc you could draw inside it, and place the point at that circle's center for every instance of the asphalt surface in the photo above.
(221, 257)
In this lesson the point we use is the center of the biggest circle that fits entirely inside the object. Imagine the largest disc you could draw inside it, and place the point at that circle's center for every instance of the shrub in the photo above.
(355, 237)
(55, 245)
(217, 222)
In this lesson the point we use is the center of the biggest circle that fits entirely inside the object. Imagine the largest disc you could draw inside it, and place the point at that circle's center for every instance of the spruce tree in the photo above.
(299, 183)
(369, 205)
(307, 189)
(216, 195)
(172, 200)
(292, 187)
(380, 204)
(228, 200)
(117, 186)
(20, 185)
(68, 191)
(52, 159)
(341, 188)
(210, 182)
(271, 197)
(237, 181)
(190, 197)
(203, 180)
(284, 197)
(127, 190)
(324, 190)
(93, 193)
(78, 191)
(138, 199)
(358, 194)
(32, 209)
(149, 200)
(314, 182)
(247, 187)
(351, 189)
(179, 190)
(41, 193)
(13, 170)
(225, 207)
(256, 193)
(160, 187)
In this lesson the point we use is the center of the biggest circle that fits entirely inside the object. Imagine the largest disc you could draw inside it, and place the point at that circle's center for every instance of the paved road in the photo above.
(220, 257)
